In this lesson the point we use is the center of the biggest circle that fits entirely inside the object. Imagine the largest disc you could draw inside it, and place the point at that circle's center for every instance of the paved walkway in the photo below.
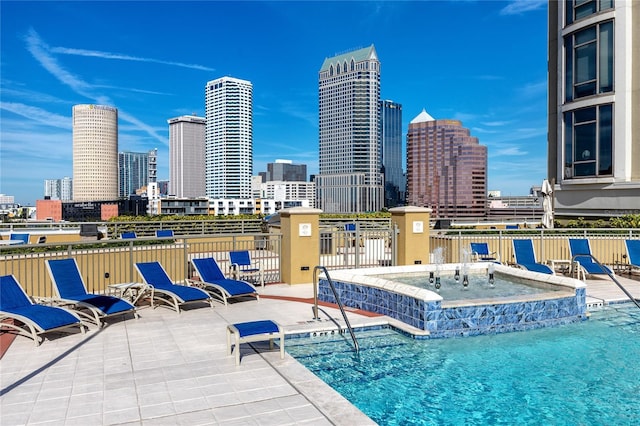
(170, 369)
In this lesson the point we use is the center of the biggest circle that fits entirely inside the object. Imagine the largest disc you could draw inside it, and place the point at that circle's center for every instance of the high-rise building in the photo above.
(135, 171)
(285, 170)
(446, 168)
(391, 141)
(59, 189)
(228, 138)
(95, 153)
(594, 105)
(186, 156)
(350, 178)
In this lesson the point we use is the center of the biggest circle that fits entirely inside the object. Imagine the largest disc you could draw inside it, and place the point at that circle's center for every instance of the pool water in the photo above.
(586, 373)
(478, 288)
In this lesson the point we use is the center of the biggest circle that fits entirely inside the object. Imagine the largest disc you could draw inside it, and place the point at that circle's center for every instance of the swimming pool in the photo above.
(478, 286)
(583, 373)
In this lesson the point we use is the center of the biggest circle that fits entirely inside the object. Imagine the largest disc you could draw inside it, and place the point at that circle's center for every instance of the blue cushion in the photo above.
(234, 287)
(537, 267)
(107, 304)
(47, 317)
(256, 327)
(187, 294)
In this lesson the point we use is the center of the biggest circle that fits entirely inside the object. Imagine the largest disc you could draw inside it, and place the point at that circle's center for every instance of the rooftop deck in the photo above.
(166, 368)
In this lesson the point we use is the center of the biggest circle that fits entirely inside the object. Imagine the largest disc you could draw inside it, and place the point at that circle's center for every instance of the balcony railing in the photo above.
(106, 262)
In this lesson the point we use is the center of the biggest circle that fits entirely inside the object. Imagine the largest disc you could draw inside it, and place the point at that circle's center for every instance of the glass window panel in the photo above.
(585, 169)
(584, 115)
(568, 78)
(568, 143)
(606, 4)
(586, 35)
(585, 142)
(586, 63)
(586, 89)
(606, 57)
(585, 9)
(605, 140)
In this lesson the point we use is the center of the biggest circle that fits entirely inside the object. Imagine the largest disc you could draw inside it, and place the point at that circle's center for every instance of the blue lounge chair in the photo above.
(36, 319)
(480, 252)
(163, 289)
(215, 283)
(526, 257)
(241, 266)
(24, 238)
(254, 331)
(71, 289)
(128, 235)
(578, 246)
(162, 233)
(633, 252)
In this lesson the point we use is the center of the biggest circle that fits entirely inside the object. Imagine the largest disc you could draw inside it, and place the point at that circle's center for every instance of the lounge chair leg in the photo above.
(237, 348)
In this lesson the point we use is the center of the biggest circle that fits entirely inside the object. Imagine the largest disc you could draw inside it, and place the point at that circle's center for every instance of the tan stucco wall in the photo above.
(413, 234)
(300, 253)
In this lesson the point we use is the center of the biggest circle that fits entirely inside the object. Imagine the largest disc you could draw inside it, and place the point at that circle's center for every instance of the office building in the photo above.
(186, 156)
(391, 151)
(350, 178)
(135, 171)
(228, 138)
(594, 105)
(285, 170)
(59, 189)
(446, 168)
(95, 153)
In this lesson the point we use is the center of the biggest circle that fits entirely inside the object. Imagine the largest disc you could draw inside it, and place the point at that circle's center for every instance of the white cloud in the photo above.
(518, 7)
(41, 52)
(122, 57)
(37, 114)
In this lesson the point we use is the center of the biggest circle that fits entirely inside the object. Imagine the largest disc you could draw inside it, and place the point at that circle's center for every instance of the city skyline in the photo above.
(85, 52)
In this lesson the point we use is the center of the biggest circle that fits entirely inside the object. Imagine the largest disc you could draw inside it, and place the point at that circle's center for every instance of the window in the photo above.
(580, 9)
(588, 142)
(589, 61)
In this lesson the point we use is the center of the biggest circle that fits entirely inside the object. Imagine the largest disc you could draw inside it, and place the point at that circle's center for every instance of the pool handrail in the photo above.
(356, 346)
(608, 272)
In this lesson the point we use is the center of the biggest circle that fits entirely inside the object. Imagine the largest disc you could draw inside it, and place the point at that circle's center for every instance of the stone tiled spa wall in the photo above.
(458, 321)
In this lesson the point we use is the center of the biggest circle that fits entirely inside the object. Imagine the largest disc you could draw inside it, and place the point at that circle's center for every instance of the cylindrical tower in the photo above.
(95, 153)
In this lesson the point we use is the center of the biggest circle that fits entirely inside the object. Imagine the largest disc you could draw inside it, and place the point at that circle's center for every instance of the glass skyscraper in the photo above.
(186, 156)
(228, 138)
(135, 171)
(446, 168)
(350, 178)
(391, 139)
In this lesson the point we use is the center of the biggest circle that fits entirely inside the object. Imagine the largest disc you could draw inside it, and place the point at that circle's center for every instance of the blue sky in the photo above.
(482, 62)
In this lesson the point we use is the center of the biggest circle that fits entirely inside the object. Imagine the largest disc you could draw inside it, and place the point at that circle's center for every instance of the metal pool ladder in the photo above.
(340, 305)
(606, 270)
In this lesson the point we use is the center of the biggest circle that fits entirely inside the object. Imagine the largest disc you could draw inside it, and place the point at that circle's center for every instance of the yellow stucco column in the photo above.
(413, 234)
(300, 244)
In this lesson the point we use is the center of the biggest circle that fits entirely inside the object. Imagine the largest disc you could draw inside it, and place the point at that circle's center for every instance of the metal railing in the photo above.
(107, 262)
(351, 244)
(549, 244)
(606, 271)
(356, 346)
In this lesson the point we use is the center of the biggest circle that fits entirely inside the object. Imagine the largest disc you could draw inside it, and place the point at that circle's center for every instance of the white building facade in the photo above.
(95, 153)
(350, 178)
(594, 105)
(228, 138)
(187, 156)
